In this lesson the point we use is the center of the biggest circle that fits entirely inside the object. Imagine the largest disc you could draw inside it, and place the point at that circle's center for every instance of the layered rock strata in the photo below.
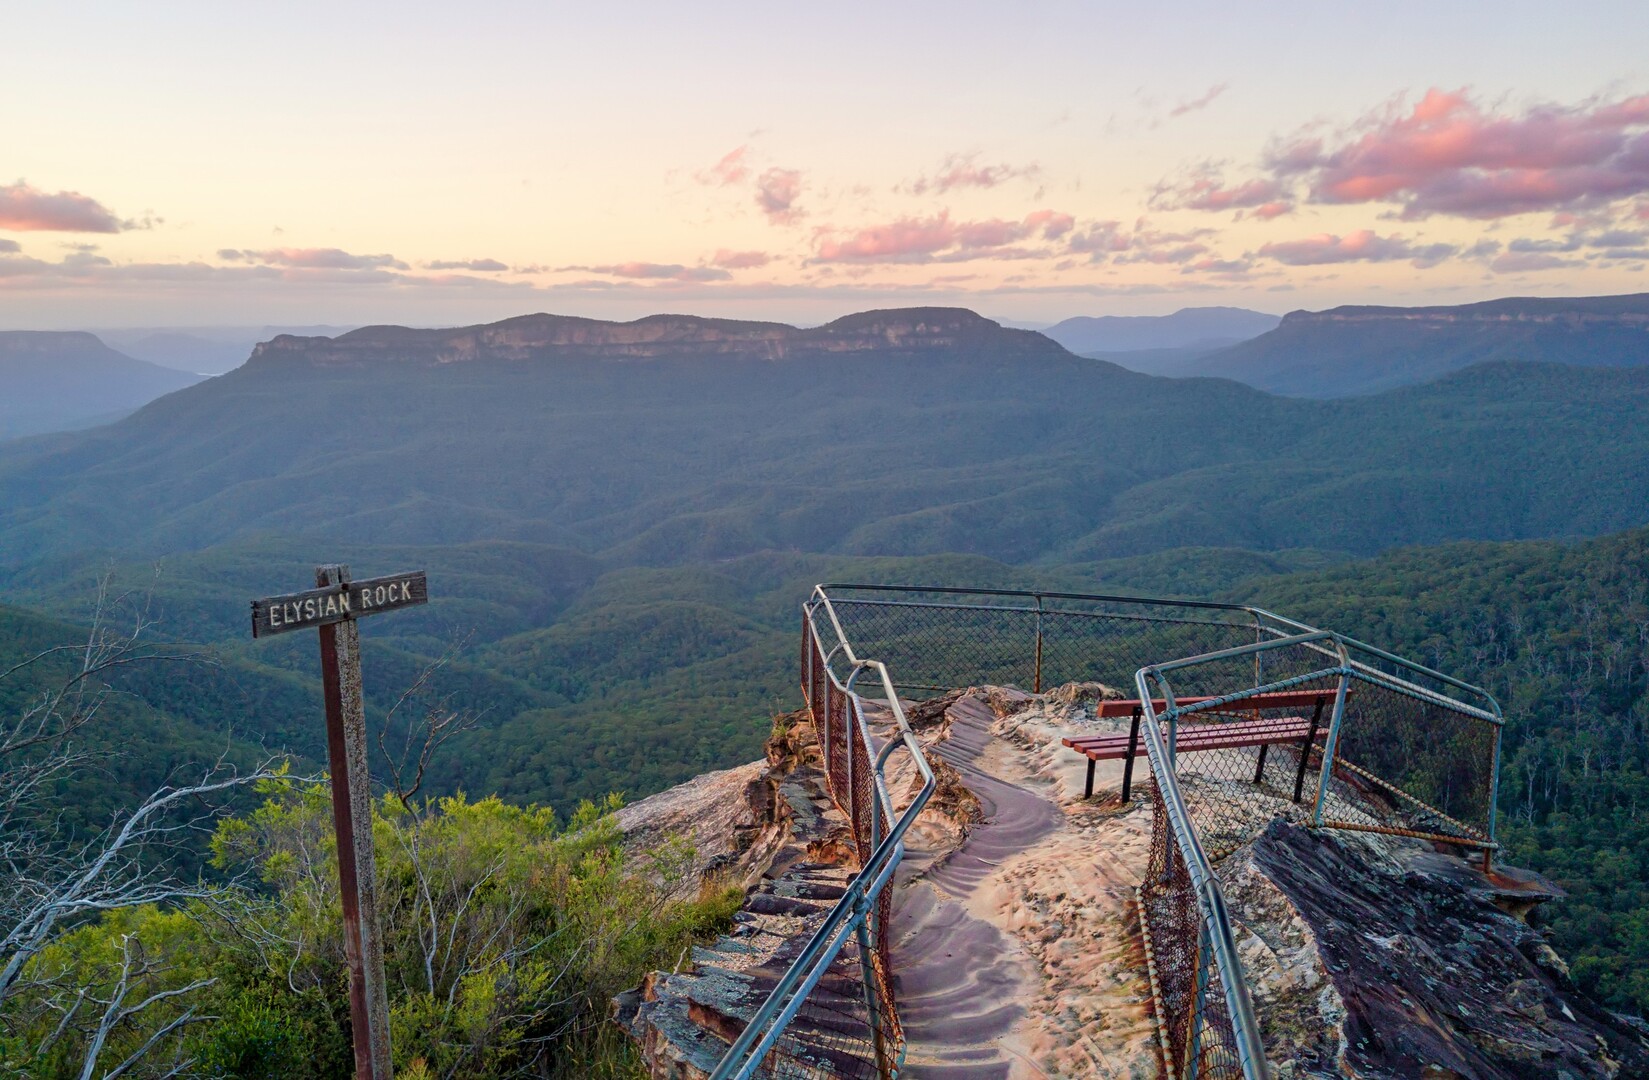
(1017, 947)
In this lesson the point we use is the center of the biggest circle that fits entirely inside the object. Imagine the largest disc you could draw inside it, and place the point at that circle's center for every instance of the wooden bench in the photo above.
(1257, 730)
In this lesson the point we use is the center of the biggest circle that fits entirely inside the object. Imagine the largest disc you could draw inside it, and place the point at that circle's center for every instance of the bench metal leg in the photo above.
(1305, 750)
(1259, 770)
(1088, 792)
(1128, 762)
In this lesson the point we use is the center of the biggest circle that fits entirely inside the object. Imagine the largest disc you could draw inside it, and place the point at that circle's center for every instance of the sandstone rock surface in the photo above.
(1017, 947)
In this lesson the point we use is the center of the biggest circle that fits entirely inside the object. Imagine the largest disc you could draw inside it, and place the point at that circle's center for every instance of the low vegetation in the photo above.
(506, 934)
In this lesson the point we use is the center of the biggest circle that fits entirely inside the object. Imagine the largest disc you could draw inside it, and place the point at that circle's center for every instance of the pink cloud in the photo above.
(1219, 267)
(1205, 190)
(894, 242)
(964, 171)
(653, 271)
(776, 193)
(1360, 246)
(1100, 239)
(1447, 155)
(740, 260)
(313, 259)
(28, 209)
(731, 169)
(1514, 262)
(1106, 241)
(485, 266)
(1200, 102)
(1052, 223)
(1271, 210)
(921, 239)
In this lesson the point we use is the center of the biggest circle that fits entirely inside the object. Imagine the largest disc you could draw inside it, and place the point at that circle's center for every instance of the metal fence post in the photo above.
(847, 750)
(1036, 684)
(1331, 746)
(867, 976)
(1193, 1045)
(1171, 711)
(812, 647)
(1494, 799)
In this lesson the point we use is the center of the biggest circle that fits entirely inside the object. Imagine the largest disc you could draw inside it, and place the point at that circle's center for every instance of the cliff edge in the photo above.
(1017, 945)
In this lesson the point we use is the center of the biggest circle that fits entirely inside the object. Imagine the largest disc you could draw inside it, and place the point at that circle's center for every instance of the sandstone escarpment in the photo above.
(549, 337)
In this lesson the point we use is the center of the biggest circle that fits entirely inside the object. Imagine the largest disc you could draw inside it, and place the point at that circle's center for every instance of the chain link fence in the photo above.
(1247, 716)
(937, 640)
(1375, 744)
(833, 1013)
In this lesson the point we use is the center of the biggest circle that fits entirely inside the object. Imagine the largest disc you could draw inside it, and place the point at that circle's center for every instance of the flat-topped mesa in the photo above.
(542, 336)
(1631, 311)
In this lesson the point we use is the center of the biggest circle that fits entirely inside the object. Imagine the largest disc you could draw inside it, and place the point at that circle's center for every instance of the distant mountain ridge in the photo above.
(543, 336)
(1355, 350)
(904, 432)
(55, 381)
(1186, 328)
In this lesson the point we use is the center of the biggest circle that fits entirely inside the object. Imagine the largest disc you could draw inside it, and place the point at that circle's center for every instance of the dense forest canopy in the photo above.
(618, 548)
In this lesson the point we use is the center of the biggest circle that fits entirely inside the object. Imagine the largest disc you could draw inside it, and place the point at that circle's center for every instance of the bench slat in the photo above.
(1282, 726)
(1193, 737)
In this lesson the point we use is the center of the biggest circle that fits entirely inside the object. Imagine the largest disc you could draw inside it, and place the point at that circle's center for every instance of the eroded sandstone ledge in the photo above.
(1017, 944)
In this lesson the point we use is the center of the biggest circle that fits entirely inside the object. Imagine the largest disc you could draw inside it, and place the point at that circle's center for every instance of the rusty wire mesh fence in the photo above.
(1406, 751)
(1194, 1016)
(1407, 759)
(932, 642)
(1425, 758)
(1349, 745)
(833, 1033)
(847, 1022)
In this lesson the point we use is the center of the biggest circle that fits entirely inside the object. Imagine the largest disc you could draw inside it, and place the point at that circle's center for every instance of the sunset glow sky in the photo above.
(432, 164)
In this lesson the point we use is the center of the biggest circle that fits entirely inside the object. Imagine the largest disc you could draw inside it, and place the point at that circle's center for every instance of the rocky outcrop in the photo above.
(547, 337)
(771, 824)
(1432, 978)
(1017, 948)
(719, 827)
(1574, 312)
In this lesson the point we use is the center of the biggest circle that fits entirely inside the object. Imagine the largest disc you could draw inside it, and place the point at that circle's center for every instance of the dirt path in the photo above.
(1016, 951)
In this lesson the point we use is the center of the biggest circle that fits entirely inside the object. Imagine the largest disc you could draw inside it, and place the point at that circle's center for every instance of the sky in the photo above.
(193, 164)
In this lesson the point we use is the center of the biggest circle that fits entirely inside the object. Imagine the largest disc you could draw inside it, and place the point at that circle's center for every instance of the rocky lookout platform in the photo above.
(1017, 946)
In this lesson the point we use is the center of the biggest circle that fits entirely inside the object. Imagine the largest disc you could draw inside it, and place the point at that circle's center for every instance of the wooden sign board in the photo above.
(335, 603)
(332, 609)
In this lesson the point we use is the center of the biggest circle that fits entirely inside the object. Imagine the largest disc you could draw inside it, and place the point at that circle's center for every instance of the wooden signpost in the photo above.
(332, 608)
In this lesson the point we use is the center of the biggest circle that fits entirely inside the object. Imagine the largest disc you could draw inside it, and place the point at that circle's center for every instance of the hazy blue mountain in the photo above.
(53, 381)
(206, 350)
(674, 439)
(1201, 327)
(1174, 363)
(1362, 350)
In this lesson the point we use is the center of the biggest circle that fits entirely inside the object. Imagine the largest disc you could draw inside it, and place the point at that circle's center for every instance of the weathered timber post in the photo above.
(332, 608)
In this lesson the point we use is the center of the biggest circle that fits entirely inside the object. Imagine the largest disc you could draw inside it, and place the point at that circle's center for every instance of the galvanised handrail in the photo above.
(1342, 648)
(850, 915)
(1293, 627)
(1205, 885)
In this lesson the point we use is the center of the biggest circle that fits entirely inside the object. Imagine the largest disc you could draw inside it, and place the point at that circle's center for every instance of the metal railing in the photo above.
(1402, 754)
(1411, 736)
(833, 1013)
